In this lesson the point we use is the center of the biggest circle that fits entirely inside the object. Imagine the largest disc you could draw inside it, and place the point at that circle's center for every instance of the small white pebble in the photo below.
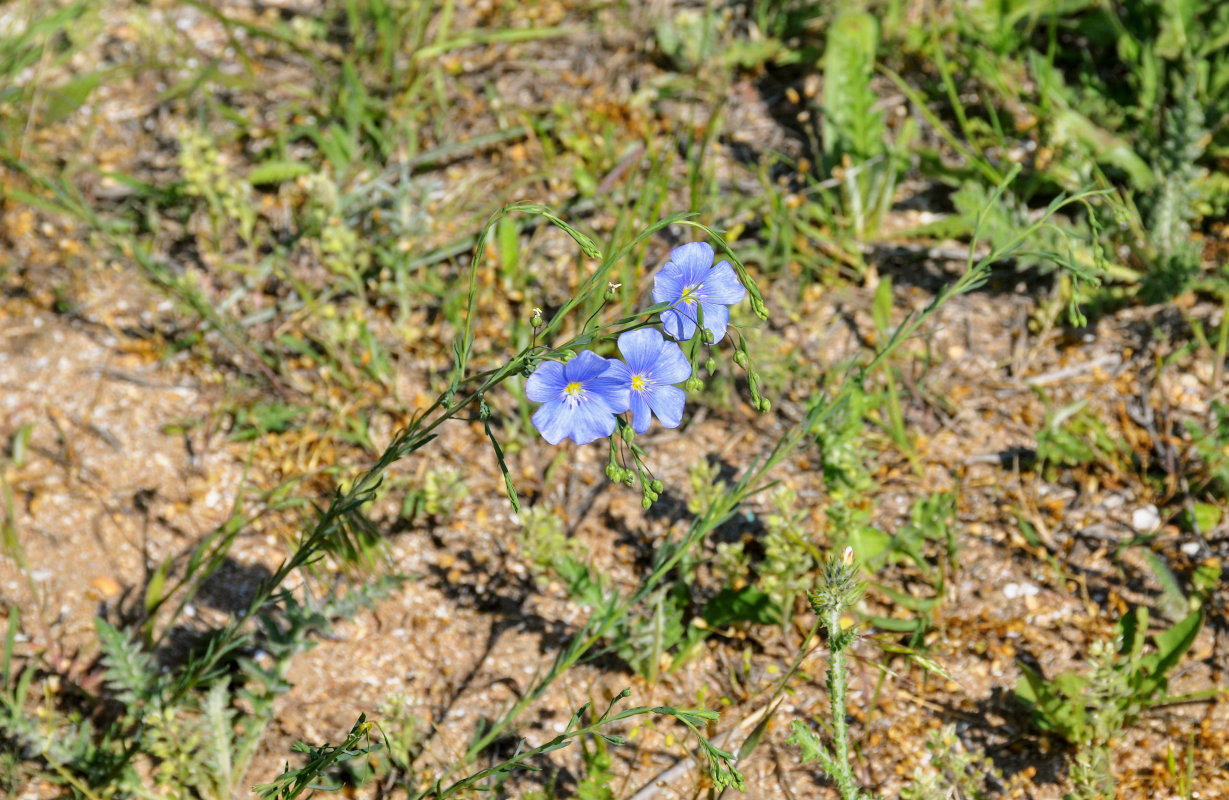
(1145, 519)
(1191, 549)
(1014, 590)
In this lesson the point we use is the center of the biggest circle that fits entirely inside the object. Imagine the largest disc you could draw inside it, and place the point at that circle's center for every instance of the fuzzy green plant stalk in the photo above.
(838, 593)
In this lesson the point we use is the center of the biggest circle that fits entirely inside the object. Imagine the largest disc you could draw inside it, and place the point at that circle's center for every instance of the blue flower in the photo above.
(688, 278)
(579, 399)
(653, 364)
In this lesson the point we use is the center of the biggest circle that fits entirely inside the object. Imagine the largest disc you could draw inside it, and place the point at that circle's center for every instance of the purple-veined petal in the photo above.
(622, 377)
(667, 404)
(667, 284)
(546, 382)
(585, 366)
(641, 348)
(591, 421)
(640, 412)
(716, 319)
(553, 421)
(610, 390)
(678, 324)
(672, 366)
(722, 286)
(692, 259)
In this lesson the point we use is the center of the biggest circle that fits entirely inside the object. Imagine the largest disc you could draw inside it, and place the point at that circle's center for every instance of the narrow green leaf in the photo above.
(157, 582)
(503, 467)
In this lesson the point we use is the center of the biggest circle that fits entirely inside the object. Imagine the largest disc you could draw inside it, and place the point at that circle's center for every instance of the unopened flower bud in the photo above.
(484, 411)
(847, 557)
(656, 485)
(757, 305)
(536, 319)
(646, 503)
(612, 290)
(711, 364)
(740, 358)
(694, 384)
(709, 336)
(628, 434)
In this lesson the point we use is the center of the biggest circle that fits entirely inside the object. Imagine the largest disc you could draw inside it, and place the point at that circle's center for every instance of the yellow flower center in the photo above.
(638, 383)
(689, 295)
(574, 389)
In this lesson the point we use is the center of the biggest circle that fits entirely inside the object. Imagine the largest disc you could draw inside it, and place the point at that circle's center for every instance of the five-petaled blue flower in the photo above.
(689, 278)
(579, 399)
(653, 364)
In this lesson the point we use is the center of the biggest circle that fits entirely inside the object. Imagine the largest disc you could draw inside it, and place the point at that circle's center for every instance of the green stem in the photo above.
(838, 679)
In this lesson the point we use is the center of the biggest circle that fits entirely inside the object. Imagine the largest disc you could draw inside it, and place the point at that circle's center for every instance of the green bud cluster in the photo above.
(839, 589)
(620, 474)
(757, 305)
(761, 403)
(694, 384)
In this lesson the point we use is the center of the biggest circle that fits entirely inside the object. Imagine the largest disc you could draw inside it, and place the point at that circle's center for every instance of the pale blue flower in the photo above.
(579, 399)
(689, 279)
(653, 365)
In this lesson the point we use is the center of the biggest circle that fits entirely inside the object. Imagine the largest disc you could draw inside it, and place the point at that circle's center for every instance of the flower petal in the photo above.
(640, 348)
(546, 382)
(667, 404)
(678, 324)
(591, 421)
(672, 366)
(585, 366)
(640, 413)
(722, 286)
(667, 284)
(716, 319)
(693, 260)
(610, 390)
(553, 421)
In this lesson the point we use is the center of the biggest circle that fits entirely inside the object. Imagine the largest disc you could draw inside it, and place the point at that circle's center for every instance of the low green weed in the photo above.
(1072, 436)
(437, 498)
(1089, 711)
(789, 558)
(1134, 106)
(956, 771)
(855, 145)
